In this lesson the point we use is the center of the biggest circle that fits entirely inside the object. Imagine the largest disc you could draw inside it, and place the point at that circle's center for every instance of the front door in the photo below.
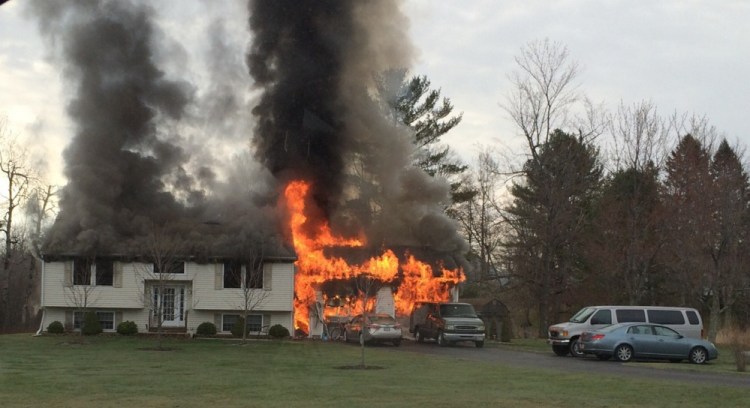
(169, 305)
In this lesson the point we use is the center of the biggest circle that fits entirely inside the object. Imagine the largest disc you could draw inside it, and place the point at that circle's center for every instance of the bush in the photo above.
(206, 329)
(237, 328)
(127, 328)
(91, 324)
(55, 328)
(278, 331)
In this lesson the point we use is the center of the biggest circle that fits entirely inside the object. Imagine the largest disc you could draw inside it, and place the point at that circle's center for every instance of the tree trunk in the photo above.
(714, 316)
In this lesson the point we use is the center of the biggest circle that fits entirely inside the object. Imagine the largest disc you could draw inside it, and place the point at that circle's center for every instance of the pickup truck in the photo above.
(447, 323)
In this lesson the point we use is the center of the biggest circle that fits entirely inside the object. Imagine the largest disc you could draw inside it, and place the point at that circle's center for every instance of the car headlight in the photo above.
(480, 328)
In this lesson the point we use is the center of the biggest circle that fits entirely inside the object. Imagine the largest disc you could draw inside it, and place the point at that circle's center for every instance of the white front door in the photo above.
(170, 301)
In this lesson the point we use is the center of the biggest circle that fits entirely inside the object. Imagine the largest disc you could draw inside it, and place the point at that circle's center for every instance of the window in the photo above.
(106, 320)
(105, 270)
(232, 274)
(693, 317)
(630, 315)
(666, 317)
(81, 272)
(228, 322)
(639, 330)
(665, 331)
(254, 322)
(603, 316)
(171, 267)
(254, 276)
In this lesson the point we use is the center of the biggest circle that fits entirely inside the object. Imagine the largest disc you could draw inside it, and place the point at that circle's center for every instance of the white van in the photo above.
(563, 337)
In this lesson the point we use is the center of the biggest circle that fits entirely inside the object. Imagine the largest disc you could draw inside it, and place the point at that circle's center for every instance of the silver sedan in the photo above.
(627, 341)
(378, 327)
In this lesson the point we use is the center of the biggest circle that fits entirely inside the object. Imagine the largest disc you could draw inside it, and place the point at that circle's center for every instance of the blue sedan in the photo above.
(626, 341)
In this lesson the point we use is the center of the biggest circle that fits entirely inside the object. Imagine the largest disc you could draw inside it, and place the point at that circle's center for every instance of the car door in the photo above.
(669, 343)
(642, 339)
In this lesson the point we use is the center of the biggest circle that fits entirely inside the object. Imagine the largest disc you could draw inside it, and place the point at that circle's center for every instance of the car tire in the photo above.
(441, 339)
(575, 347)
(698, 355)
(419, 336)
(624, 353)
(561, 351)
(479, 344)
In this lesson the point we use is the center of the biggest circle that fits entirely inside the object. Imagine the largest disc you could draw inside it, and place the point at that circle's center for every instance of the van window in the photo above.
(630, 315)
(666, 316)
(603, 316)
(693, 317)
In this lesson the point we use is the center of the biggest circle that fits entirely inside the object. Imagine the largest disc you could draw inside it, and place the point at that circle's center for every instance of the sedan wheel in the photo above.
(698, 355)
(575, 347)
(624, 353)
(346, 337)
(419, 336)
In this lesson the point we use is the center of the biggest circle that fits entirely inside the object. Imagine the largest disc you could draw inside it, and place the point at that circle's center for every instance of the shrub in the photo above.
(206, 329)
(127, 328)
(55, 328)
(278, 331)
(91, 324)
(237, 328)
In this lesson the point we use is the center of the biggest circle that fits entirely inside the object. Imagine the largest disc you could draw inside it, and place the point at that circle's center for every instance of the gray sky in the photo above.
(685, 56)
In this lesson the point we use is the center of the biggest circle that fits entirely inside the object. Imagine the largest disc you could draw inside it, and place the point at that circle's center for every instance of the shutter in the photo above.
(68, 274)
(218, 276)
(69, 320)
(217, 321)
(118, 318)
(266, 323)
(117, 278)
(267, 276)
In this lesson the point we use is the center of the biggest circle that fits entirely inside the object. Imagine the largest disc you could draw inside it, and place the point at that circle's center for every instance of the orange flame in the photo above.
(418, 282)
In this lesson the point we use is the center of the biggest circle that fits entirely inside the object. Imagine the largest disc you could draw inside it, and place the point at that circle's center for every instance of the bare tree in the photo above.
(640, 137)
(367, 287)
(543, 92)
(246, 273)
(80, 291)
(17, 173)
(481, 217)
(163, 250)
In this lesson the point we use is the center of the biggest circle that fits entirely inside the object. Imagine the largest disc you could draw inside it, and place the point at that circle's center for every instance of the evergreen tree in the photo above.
(549, 217)
(413, 103)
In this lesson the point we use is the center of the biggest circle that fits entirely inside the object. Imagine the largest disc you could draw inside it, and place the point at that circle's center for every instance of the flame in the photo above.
(314, 267)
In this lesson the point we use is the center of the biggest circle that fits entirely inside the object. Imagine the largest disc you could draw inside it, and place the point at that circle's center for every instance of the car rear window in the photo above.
(666, 317)
(630, 315)
(693, 317)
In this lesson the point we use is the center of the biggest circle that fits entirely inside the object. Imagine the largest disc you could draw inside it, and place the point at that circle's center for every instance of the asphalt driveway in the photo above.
(589, 365)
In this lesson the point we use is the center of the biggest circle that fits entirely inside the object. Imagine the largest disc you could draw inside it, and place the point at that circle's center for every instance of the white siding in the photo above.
(202, 296)
(130, 295)
(279, 298)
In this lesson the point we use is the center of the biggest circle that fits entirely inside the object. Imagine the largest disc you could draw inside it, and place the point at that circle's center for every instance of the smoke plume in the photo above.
(151, 149)
(317, 120)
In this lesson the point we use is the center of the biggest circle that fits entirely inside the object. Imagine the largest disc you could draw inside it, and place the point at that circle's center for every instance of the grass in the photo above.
(115, 371)
(724, 364)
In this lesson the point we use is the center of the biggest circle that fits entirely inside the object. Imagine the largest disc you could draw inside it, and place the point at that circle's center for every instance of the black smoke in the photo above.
(317, 119)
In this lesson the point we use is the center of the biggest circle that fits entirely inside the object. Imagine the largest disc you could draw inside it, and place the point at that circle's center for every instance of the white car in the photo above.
(377, 327)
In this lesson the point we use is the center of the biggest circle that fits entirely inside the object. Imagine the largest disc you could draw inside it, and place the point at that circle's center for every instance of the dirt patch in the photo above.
(359, 367)
(156, 349)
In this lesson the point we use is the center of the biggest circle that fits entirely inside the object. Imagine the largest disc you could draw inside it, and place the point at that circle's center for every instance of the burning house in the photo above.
(343, 220)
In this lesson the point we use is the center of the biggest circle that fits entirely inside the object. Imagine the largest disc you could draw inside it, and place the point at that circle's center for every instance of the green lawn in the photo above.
(117, 371)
